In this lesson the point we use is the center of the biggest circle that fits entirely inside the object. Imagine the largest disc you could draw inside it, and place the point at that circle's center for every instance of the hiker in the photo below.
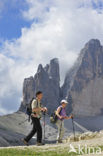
(36, 115)
(61, 114)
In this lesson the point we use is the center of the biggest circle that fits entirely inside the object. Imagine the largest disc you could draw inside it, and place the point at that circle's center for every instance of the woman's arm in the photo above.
(57, 113)
(69, 117)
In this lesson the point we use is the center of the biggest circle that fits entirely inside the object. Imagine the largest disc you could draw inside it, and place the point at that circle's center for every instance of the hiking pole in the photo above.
(23, 122)
(44, 113)
(73, 128)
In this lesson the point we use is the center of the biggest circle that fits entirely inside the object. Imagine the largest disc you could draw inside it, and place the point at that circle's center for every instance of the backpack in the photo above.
(29, 109)
(54, 117)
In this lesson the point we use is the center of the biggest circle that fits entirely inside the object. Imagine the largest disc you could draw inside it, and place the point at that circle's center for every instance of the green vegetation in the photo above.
(41, 151)
(35, 152)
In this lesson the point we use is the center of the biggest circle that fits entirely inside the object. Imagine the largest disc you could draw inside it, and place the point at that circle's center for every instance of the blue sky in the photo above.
(35, 31)
(11, 20)
(98, 5)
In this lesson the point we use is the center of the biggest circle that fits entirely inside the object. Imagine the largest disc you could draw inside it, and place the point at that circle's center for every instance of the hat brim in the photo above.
(64, 102)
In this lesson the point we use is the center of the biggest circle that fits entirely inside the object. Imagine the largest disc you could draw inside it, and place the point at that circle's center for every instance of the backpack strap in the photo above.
(37, 103)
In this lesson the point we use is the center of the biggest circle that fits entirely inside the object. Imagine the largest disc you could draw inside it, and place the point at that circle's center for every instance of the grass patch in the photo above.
(35, 152)
(41, 151)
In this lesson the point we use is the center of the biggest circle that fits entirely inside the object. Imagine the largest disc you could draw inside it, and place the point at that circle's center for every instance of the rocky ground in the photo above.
(11, 131)
(89, 139)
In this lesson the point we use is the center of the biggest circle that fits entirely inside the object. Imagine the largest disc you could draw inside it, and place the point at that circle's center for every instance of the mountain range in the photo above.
(82, 87)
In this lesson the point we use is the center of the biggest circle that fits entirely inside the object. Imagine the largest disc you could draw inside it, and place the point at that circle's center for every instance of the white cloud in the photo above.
(37, 9)
(62, 30)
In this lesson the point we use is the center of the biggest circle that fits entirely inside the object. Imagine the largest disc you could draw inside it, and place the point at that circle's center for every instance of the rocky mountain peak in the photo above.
(40, 68)
(47, 80)
(83, 82)
(93, 43)
(83, 85)
(53, 70)
(46, 68)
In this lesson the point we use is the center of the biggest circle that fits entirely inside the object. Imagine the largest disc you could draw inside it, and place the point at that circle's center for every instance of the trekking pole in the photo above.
(23, 122)
(60, 129)
(44, 125)
(73, 128)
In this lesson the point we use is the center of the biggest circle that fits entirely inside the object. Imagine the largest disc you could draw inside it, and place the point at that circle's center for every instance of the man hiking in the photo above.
(61, 114)
(36, 115)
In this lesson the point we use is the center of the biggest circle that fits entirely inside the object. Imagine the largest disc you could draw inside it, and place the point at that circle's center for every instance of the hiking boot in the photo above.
(40, 144)
(25, 142)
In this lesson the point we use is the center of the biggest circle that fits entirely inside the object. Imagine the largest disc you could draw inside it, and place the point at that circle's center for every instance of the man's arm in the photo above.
(36, 109)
